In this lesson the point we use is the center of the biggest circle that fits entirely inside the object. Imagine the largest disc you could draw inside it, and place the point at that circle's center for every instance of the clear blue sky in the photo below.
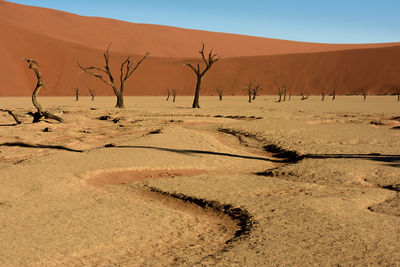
(327, 21)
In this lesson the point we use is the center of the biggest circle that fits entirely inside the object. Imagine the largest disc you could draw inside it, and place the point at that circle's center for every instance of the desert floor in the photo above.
(233, 183)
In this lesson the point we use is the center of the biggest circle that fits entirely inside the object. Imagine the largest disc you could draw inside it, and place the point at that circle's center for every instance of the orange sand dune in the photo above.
(163, 41)
(57, 39)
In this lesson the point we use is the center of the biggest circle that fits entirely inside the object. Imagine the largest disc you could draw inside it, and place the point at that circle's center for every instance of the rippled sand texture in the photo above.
(157, 183)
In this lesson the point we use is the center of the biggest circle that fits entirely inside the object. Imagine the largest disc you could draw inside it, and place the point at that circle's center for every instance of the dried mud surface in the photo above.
(232, 183)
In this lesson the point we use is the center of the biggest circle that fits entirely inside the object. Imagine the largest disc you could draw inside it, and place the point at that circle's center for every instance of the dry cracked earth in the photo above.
(232, 183)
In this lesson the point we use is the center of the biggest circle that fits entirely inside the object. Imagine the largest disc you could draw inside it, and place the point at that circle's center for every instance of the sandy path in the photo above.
(60, 207)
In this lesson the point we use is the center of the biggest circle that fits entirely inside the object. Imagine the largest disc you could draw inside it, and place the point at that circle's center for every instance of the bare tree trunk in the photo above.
(197, 93)
(168, 92)
(322, 94)
(173, 95)
(15, 116)
(120, 101)
(76, 94)
(284, 92)
(249, 95)
(280, 95)
(92, 93)
(220, 93)
(334, 94)
(40, 112)
(290, 95)
(364, 92)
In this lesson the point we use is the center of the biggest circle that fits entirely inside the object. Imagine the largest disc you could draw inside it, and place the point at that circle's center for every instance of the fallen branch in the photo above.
(15, 116)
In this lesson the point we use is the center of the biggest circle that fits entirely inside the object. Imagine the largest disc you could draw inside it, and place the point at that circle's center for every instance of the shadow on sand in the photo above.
(193, 151)
(21, 144)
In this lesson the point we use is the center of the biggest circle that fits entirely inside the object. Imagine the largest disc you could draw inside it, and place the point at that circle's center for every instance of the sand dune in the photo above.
(57, 39)
(163, 41)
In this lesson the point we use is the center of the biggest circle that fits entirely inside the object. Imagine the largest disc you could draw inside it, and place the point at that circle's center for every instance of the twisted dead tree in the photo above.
(220, 93)
(92, 93)
(15, 116)
(127, 69)
(168, 93)
(33, 65)
(174, 94)
(209, 61)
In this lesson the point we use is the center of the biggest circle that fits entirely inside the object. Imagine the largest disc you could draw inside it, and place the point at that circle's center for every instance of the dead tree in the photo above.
(168, 93)
(322, 93)
(220, 93)
(249, 89)
(290, 95)
(333, 94)
(76, 93)
(32, 64)
(255, 91)
(209, 61)
(396, 91)
(15, 116)
(127, 69)
(364, 92)
(279, 92)
(284, 91)
(174, 95)
(92, 93)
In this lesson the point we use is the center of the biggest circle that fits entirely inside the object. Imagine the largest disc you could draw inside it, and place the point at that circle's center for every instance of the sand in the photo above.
(159, 183)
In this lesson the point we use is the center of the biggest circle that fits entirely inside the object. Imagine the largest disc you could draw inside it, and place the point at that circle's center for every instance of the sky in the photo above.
(322, 21)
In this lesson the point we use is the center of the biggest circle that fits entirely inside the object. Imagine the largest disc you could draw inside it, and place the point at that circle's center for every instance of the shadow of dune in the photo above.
(193, 151)
(394, 159)
(21, 144)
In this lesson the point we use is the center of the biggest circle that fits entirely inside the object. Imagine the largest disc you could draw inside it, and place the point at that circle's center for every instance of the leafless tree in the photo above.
(281, 91)
(92, 93)
(364, 92)
(284, 91)
(322, 93)
(333, 94)
(76, 93)
(168, 93)
(32, 64)
(15, 116)
(249, 89)
(127, 69)
(209, 61)
(255, 91)
(174, 94)
(220, 93)
(290, 95)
